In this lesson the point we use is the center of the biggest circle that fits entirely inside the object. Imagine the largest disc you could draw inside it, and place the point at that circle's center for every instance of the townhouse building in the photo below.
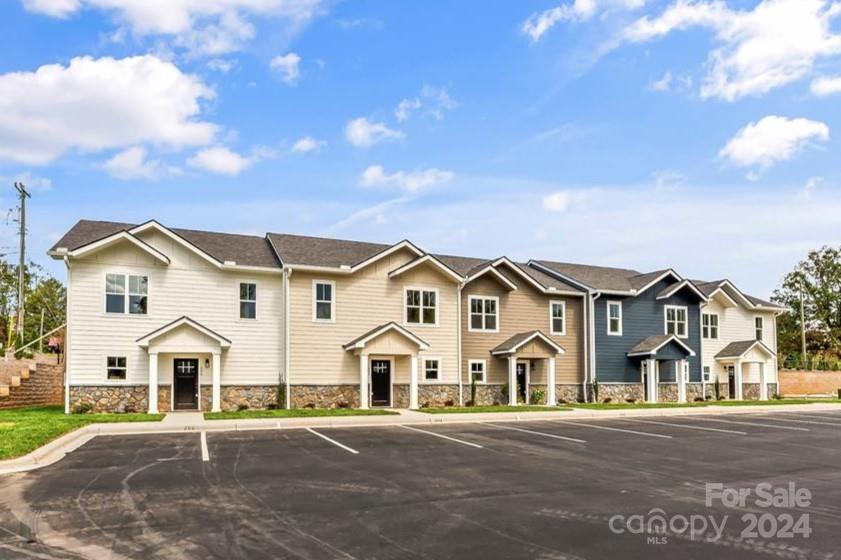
(163, 319)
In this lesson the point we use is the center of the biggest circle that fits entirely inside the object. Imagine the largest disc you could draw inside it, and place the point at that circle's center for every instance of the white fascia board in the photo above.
(668, 272)
(537, 334)
(497, 274)
(145, 340)
(683, 284)
(359, 344)
(405, 244)
(116, 238)
(153, 224)
(426, 259)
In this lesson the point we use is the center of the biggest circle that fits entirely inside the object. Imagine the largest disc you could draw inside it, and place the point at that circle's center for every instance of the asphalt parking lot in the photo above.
(553, 489)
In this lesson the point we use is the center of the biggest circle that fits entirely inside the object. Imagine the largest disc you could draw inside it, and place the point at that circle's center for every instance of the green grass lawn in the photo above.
(25, 429)
(771, 402)
(295, 413)
(498, 408)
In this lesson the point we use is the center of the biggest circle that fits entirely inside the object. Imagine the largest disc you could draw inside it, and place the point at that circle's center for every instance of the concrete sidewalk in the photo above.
(180, 422)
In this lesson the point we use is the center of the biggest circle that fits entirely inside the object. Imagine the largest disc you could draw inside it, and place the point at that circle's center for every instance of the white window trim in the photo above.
(563, 305)
(762, 320)
(421, 289)
(126, 294)
(666, 309)
(422, 373)
(240, 300)
(709, 326)
(607, 309)
(484, 380)
(332, 318)
(116, 381)
(470, 299)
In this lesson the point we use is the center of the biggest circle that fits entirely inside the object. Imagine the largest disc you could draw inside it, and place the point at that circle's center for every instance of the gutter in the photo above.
(287, 274)
(591, 374)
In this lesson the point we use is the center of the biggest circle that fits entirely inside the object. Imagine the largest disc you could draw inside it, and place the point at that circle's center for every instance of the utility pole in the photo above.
(803, 357)
(23, 195)
(41, 333)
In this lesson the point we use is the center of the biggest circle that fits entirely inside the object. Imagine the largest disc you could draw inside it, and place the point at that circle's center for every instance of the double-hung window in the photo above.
(477, 370)
(247, 300)
(709, 325)
(614, 318)
(324, 296)
(126, 293)
(676, 321)
(116, 367)
(484, 313)
(432, 369)
(421, 307)
(759, 324)
(558, 312)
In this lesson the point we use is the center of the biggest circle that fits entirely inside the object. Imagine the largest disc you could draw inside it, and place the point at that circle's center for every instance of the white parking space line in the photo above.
(544, 434)
(442, 436)
(599, 427)
(761, 424)
(333, 441)
(819, 417)
(815, 422)
(205, 454)
(688, 427)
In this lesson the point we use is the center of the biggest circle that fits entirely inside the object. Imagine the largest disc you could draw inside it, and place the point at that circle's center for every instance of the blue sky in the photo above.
(637, 133)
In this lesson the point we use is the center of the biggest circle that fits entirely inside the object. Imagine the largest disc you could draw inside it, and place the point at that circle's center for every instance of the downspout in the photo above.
(592, 297)
(458, 349)
(67, 340)
(287, 273)
(701, 346)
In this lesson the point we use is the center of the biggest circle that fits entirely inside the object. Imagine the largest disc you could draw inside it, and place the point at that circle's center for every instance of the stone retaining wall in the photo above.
(45, 386)
(809, 383)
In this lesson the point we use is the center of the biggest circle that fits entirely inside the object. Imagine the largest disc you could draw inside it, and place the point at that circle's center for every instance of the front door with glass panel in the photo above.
(185, 382)
(380, 383)
(522, 381)
(731, 382)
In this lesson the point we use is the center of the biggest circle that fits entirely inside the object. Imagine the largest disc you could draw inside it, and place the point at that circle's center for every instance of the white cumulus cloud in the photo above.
(434, 102)
(98, 104)
(288, 65)
(224, 161)
(771, 140)
(774, 44)
(53, 8)
(410, 181)
(133, 164)
(826, 85)
(364, 133)
(578, 10)
(561, 201)
(308, 144)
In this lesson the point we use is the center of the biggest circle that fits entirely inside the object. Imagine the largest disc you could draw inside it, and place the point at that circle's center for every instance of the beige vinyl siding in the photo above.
(737, 324)
(524, 309)
(189, 286)
(364, 300)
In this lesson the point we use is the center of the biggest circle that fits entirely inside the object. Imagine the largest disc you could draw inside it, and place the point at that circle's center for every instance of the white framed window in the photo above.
(323, 301)
(126, 294)
(709, 325)
(706, 373)
(477, 370)
(484, 314)
(432, 369)
(759, 324)
(676, 320)
(247, 300)
(558, 317)
(614, 318)
(421, 307)
(116, 368)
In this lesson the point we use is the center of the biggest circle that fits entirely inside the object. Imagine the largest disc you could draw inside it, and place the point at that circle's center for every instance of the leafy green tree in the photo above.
(819, 275)
(42, 292)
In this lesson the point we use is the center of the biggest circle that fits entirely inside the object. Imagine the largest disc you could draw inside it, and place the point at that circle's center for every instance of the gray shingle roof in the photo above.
(246, 250)
(464, 265)
(710, 287)
(735, 349)
(603, 277)
(321, 251)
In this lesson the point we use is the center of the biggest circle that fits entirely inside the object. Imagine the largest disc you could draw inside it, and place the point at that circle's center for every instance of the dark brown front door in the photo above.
(185, 378)
(380, 383)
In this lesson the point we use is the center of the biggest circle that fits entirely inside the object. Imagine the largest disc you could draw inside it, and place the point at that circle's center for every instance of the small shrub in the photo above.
(281, 395)
(776, 396)
(607, 400)
(496, 403)
(425, 404)
(83, 408)
(472, 390)
(272, 406)
(449, 402)
(343, 404)
(839, 394)
(631, 400)
(469, 403)
(537, 396)
(309, 405)
(242, 407)
(130, 410)
(717, 390)
(562, 401)
(699, 399)
(504, 391)
(721, 398)
(596, 389)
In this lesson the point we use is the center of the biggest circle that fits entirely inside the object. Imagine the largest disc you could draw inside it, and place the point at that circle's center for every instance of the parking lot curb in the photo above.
(57, 449)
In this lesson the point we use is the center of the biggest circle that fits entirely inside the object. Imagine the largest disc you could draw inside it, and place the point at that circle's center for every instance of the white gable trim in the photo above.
(653, 352)
(756, 343)
(405, 244)
(152, 224)
(668, 272)
(683, 284)
(536, 334)
(426, 259)
(145, 340)
(106, 242)
(497, 274)
(358, 344)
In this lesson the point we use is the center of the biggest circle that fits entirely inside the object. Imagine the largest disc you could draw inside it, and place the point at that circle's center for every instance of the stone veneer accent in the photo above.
(486, 395)
(235, 396)
(323, 396)
(110, 398)
(621, 392)
(563, 393)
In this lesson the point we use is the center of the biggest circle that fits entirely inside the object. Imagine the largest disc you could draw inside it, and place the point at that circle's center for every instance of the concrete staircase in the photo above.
(34, 385)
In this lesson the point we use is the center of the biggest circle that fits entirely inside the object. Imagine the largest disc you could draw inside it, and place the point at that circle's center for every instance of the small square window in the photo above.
(247, 301)
(116, 366)
(432, 370)
(477, 371)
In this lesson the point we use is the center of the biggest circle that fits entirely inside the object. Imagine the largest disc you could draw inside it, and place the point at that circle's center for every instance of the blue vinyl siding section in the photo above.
(644, 316)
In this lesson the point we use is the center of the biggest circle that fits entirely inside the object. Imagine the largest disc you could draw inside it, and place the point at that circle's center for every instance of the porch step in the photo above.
(4, 390)
(15, 381)
(24, 373)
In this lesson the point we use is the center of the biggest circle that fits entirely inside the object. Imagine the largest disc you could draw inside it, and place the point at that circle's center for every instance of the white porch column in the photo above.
(153, 382)
(551, 399)
(763, 382)
(512, 380)
(413, 383)
(651, 372)
(216, 396)
(363, 381)
(680, 377)
(737, 379)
